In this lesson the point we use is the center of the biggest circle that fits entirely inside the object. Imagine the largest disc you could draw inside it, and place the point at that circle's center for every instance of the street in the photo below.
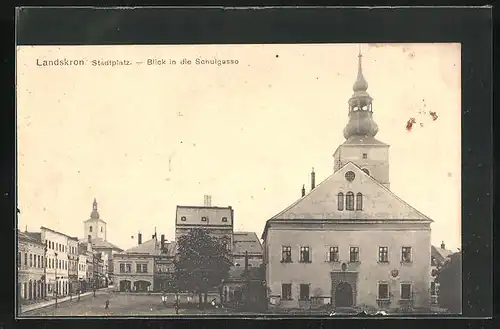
(119, 305)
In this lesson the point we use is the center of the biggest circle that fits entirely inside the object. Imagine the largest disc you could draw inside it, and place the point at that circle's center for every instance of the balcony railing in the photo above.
(383, 302)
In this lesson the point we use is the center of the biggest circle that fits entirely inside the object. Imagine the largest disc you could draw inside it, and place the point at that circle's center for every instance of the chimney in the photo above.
(303, 191)
(139, 238)
(313, 179)
(442, 245)
(208, 201)
(162, 242)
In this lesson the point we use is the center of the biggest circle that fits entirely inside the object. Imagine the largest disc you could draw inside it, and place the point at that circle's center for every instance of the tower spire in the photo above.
(95, 212)
(361, 122)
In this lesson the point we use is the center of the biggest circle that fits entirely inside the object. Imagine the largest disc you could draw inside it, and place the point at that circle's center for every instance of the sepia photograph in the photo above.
(239, 179)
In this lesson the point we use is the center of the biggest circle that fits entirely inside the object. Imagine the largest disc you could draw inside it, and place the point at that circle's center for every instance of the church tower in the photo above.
(95, 227)
(361, 147)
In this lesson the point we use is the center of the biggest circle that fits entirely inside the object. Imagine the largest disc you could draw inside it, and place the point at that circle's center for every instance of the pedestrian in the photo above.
(107, 304)
(164, 299)
(79, 291)
(177, 306)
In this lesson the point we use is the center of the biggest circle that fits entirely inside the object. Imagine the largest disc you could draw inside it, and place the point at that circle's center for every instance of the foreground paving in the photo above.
(120, 305)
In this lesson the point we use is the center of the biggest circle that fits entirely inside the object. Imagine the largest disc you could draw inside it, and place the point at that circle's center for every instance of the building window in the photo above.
(31, 260)
(354, 255)
(304, 255)
(406, 254)
(359, 201)
(25, 259)
(35, 264)
(383, 254)
(224, 219)
(101, 229)
(142, 268)
(203, 219)
(405, 291)
(19, 259)
(383, 290)
(53, 263)
(433, 289)
(39, 263)
(286, 291)
(52, 243)
(340, 201)
(365, 156)
(349, 201)
(122, 268)
(286, 254)
(333, 254)
(183, 218)
(350, 176)
(366, 171)
(304, 292)
(90, 228)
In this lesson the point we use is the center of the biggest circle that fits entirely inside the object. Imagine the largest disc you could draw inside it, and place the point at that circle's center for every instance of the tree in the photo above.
(202, 262)
(449, 277)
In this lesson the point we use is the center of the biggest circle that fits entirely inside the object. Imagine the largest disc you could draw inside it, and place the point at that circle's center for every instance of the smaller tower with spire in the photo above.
(95, 227)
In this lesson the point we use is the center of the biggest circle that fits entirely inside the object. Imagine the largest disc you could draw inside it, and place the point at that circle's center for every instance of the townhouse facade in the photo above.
(31, 261)
(58, 256)
(350, 241)
(134, 268)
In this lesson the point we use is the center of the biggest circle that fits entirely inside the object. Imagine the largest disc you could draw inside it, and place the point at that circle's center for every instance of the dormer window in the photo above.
(203, 219)
(365, 156)
(224, 219)
(183, 218)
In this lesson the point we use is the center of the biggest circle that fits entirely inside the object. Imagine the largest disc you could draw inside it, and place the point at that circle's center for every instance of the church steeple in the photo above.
(361, 122)
(95, 213)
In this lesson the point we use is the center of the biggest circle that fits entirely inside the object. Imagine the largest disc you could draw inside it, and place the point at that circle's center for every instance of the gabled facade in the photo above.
(350, 241)
(134, 268)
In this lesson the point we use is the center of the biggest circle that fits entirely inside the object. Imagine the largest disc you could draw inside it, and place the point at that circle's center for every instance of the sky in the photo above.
(142, 138)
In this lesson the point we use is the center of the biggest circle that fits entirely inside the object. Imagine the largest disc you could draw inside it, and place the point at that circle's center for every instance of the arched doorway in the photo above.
(343, 295)
(125, 285)
(141, 286)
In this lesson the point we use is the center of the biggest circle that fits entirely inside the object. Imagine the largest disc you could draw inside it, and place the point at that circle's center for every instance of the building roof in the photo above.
(99, 243)
(54, 231)
(246, 241)
(204, 207)
(32, 237)
(150, 247)
(321, 202)
(440, 254)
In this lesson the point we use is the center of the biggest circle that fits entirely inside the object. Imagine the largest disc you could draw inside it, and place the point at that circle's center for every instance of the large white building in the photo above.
(350, 241)
(57, 275)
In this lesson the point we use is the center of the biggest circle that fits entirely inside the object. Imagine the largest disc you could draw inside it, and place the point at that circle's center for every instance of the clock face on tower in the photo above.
(350, 176)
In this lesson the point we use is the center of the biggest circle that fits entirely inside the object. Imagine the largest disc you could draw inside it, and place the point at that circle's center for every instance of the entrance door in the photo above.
(343, 295)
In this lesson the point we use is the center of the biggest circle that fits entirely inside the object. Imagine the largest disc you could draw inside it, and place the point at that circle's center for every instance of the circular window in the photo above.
(350, 176)
(366, 171)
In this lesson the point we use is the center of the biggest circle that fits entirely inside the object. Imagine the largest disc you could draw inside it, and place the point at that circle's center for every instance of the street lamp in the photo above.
(56, 278)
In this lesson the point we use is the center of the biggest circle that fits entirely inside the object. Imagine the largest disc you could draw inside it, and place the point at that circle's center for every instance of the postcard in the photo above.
(237, 180)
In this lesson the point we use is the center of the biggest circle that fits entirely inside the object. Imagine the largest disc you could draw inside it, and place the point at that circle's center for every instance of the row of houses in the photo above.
(51, 263)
